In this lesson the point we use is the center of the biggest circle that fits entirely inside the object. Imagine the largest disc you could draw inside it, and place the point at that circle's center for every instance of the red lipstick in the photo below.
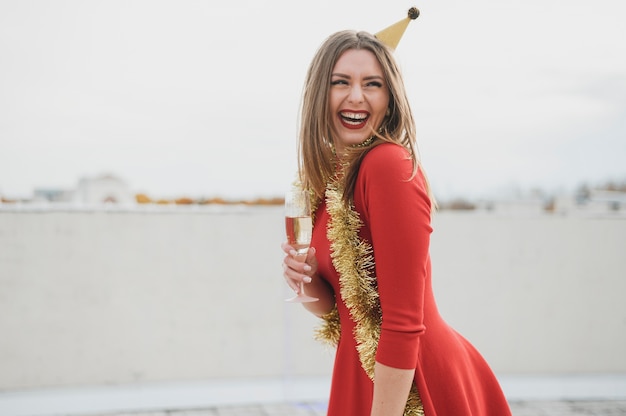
(353, 119)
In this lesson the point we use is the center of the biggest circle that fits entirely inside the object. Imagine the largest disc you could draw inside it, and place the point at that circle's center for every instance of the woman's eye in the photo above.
(374, 84)
(338, 82)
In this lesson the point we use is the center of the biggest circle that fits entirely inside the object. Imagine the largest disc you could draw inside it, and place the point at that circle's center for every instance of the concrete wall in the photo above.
(109, 297)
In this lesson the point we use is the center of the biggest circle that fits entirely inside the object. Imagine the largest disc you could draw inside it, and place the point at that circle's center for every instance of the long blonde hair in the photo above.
(317, 163)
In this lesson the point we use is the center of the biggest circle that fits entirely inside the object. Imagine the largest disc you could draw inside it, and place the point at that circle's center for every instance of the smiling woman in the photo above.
(358, 96)
(369, 261)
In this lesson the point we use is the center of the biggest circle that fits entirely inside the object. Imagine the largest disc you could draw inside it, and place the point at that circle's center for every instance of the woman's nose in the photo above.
(356, 94)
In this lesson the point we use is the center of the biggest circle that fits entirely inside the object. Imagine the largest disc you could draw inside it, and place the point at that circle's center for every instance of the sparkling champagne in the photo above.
(299, 230)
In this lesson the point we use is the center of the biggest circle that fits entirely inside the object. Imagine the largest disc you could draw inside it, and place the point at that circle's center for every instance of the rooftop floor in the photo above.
(529, 395)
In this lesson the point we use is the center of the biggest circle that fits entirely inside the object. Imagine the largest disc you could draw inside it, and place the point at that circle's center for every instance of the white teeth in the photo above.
(354, 116)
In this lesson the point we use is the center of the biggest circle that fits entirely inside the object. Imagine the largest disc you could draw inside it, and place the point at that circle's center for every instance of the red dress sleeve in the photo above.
(396, 208)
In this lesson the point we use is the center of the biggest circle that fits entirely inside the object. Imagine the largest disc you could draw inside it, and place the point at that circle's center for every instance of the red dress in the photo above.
(451, 376)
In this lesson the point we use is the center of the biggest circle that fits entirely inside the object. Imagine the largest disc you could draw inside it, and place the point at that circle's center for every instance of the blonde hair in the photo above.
(317, 163)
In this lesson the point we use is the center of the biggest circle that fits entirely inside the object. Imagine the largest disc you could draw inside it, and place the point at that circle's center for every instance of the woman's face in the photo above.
(358, 97)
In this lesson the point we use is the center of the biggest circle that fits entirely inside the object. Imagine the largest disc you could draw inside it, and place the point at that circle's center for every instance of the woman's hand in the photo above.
(303, 269)
(298, 268)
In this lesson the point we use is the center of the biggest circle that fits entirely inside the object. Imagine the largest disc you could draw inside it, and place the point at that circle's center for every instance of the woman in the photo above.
(369, 261)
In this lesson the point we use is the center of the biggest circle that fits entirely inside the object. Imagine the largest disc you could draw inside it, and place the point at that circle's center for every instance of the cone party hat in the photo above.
(391, 35)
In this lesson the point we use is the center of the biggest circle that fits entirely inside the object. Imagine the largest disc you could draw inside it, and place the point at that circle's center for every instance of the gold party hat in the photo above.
(391, 35)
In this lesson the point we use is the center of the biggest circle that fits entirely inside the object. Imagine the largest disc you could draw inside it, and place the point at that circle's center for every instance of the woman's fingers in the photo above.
(288, 249)
(298, 269)
(311, 260)
(290, 281)
(295, 273)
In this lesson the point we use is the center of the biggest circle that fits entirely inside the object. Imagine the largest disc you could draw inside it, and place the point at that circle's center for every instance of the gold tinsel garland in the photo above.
(354, 262)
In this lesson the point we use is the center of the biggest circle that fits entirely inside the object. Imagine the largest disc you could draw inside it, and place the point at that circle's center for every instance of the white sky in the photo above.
(201, 98)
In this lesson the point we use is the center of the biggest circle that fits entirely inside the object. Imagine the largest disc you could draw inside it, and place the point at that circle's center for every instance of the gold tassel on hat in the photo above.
(391, 35)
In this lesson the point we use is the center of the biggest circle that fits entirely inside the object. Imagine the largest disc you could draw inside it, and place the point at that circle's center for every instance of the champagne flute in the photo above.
(299, 228)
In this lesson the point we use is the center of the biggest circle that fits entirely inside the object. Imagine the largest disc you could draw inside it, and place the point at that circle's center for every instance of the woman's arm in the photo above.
(391, 390)
(300, 269)
(396, 207)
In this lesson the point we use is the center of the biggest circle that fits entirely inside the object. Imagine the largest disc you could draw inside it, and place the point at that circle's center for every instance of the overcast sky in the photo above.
(201, 98)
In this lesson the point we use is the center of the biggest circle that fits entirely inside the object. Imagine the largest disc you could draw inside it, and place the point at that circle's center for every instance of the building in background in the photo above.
(104, 189)
(52, 195)
(592, 201)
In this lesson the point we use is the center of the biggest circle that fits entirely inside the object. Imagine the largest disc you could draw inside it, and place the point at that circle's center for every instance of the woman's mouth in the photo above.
(353, 119)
